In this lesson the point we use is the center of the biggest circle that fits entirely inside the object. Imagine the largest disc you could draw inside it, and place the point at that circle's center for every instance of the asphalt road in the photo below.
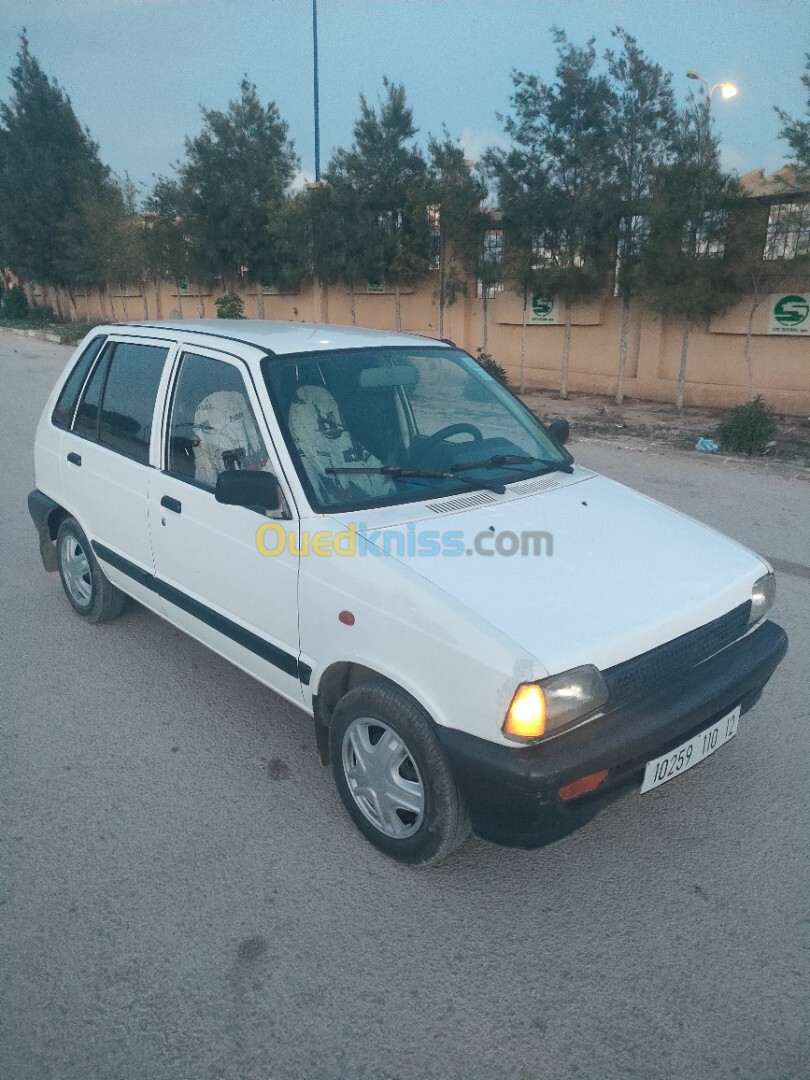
(182, 896)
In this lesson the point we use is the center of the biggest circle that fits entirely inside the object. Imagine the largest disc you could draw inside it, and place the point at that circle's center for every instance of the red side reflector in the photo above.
(346, 618)
(583, 786)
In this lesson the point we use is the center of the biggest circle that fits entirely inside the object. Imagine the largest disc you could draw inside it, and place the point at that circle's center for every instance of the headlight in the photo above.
(544, 707)
(762, 597)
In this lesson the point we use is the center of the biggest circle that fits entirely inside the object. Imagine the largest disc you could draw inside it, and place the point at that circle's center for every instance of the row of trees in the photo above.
(601, 162)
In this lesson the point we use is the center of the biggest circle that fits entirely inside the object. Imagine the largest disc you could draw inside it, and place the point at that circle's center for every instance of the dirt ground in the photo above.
(657, 427)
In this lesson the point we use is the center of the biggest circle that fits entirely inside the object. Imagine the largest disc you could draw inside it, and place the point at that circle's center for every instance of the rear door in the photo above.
(106, 458)
(213, 581)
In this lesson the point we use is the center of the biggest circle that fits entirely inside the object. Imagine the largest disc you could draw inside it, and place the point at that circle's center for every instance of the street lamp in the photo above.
(727, 89)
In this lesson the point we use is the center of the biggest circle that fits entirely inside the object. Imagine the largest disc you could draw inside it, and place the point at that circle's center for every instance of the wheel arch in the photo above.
(337, 680)
(47, 516)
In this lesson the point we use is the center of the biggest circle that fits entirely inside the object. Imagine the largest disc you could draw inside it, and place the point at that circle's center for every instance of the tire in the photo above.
(90, 594)
(393, 777)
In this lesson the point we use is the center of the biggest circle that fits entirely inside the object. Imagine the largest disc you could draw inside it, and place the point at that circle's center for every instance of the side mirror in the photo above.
(248, 488)
(559, 430)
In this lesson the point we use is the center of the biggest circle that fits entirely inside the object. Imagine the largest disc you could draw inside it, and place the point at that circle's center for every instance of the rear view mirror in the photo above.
(559, 430)
(248, 488)
(394, 375)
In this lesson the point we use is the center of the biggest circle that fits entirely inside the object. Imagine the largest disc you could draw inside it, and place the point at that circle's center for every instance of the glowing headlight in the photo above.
(762, 597)
(544, 707)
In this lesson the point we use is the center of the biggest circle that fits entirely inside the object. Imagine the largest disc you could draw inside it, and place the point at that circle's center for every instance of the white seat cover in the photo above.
(224, 426)
(323, 442)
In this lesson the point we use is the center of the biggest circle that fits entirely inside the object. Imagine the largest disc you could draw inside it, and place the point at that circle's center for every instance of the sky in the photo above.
(137, 71)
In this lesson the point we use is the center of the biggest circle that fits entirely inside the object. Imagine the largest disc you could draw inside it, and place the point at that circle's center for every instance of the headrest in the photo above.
(320, 398)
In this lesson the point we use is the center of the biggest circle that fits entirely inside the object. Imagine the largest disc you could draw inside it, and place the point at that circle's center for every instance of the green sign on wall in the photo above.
(790, 313)
(543, 311)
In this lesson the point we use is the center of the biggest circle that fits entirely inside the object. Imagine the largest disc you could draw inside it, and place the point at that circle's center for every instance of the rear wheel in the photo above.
(86, 587)
(393, 777)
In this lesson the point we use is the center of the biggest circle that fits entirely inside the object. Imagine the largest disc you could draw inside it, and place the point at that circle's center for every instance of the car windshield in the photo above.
(380, 426)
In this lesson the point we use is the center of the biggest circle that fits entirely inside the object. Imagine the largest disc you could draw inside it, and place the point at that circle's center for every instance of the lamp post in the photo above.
(727, 89)
(315, 89)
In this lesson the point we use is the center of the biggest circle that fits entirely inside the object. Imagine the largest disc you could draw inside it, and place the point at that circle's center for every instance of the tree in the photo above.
(522, 186)
(342, 231)
(386, 174)
(754, 274)
(234, 179)
(684, 268)
(563, 127)
(488, 270)
(455, 194)
(641, 120)
(797, 133)
(167, 245)
(51, 177)
(95, 237)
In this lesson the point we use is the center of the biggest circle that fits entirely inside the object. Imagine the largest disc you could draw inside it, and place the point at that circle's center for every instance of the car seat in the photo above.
(225, 437)
(323, 442)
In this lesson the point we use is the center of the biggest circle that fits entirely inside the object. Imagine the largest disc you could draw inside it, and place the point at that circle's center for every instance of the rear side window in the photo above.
(129, 398)
(66, 405)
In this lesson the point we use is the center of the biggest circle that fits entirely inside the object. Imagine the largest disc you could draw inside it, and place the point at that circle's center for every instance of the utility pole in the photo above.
(315, 86)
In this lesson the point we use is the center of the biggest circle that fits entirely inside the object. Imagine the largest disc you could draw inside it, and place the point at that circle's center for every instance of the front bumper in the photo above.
(512, 793)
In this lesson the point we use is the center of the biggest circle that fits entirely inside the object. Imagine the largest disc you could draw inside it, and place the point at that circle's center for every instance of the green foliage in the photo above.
(37, 317)
(214, 219)
(562, 132)
(796, 132)
(380, 184)
(101, 240)
(491, 366)
(642, 120)
(684, 267)
(341, 230)
(230, 306)
(50, 174)
(749, 428)
(457, 193)
(15, 304)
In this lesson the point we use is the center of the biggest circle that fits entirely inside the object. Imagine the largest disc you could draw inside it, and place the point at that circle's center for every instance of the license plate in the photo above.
(683, 757)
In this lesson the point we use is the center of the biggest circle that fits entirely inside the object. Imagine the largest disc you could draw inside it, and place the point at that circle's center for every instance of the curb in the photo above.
(40, 335)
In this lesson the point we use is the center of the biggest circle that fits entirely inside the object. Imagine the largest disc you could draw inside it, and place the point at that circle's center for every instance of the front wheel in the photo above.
(393, 777)
(88, 590)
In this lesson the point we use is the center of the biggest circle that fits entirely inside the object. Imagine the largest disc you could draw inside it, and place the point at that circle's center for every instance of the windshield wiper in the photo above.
(498, 461)
(405, 471)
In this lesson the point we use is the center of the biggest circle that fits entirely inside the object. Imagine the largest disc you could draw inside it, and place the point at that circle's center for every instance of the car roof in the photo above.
(290, 337)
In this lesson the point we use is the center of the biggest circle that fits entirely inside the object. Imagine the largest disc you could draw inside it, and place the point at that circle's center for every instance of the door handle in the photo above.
(74, 459)
(171, 504)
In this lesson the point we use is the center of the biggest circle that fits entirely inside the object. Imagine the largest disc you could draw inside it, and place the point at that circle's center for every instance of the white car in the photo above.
(484, 632)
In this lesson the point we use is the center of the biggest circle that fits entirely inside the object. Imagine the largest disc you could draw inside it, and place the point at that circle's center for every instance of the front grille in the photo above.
(642, 674)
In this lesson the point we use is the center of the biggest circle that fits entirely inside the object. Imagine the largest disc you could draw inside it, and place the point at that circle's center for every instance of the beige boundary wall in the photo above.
(716, 374)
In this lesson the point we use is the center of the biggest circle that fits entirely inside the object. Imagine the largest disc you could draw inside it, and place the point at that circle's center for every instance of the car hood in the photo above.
(616, 573)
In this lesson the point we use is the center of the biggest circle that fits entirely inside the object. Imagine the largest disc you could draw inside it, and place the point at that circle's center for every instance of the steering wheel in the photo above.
(446, 432)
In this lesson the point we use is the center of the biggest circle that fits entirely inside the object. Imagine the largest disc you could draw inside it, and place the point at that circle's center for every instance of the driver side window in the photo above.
(212, 427)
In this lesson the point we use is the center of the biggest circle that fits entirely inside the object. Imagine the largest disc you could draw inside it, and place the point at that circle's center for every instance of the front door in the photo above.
(212, 580)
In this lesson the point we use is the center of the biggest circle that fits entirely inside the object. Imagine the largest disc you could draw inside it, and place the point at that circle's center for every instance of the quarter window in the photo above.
(66, 404)
(86, 422)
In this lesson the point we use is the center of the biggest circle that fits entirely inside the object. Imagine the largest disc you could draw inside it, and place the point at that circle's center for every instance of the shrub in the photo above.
(230, 306)
(749, 428)
(39, 316)
(15, 306)
(492, 367)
